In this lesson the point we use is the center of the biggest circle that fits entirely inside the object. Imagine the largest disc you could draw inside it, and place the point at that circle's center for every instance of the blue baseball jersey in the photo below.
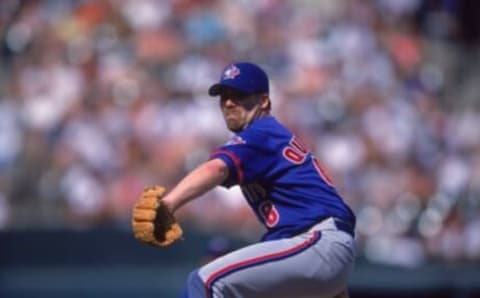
(282, 181)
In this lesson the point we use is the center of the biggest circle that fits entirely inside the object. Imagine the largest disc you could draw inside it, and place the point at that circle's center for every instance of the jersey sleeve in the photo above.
(247, 155)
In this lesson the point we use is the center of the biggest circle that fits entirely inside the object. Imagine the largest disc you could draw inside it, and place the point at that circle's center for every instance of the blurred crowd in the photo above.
(100, 98)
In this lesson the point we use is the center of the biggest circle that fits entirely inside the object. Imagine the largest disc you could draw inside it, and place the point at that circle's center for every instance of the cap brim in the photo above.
(215, 89)
(219, 88)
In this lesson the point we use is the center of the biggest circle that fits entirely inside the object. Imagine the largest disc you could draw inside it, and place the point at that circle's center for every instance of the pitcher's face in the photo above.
(238, 109)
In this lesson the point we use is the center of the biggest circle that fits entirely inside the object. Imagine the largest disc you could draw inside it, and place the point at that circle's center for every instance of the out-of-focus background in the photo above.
(100, 98)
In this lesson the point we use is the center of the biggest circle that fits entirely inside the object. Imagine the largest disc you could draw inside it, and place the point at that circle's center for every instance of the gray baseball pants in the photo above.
(315, 264)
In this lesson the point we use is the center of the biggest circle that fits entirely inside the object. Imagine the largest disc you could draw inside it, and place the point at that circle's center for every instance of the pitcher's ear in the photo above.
(266, 103)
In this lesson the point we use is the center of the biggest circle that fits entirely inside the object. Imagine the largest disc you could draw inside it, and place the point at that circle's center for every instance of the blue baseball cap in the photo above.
(245, 77)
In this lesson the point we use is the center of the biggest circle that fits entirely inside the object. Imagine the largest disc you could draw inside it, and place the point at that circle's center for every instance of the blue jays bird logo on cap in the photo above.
(231, 72)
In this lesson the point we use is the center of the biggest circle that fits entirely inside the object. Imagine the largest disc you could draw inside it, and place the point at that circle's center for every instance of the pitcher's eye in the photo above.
(233, 95)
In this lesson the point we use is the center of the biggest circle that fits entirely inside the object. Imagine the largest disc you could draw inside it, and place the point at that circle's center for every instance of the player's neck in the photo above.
(259, 113)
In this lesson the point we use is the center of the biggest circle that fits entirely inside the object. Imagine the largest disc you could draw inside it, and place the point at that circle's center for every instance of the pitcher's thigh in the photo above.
(281, 268)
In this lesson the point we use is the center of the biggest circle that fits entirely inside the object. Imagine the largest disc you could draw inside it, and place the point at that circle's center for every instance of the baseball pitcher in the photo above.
(308, 247)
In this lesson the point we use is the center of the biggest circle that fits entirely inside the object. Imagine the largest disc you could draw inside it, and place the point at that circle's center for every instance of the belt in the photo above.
(333, 223)
(344, 226)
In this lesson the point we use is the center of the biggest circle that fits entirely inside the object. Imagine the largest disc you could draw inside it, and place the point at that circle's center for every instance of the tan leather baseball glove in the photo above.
(152, 221)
